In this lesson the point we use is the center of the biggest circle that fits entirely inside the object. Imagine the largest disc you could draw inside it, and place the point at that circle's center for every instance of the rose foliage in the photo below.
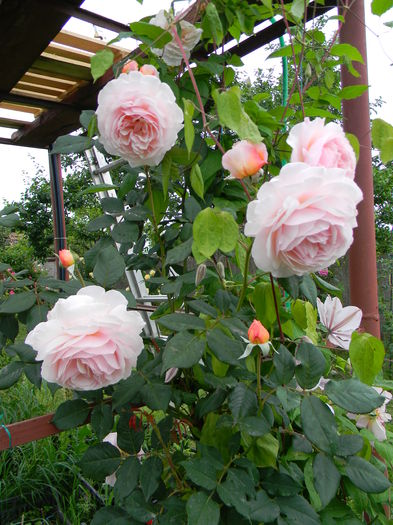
(244, 407)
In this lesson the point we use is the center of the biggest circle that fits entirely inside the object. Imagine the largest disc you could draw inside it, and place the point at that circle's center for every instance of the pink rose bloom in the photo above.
(302, 220)
(138, 118)
(320, 145)
(245, 158)
(340, 322)
(89, 341)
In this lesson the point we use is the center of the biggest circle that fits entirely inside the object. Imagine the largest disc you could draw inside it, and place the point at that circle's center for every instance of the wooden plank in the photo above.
(69, 71)
(61, 51)
(21, 108)
(6, 122)
(85, 43)
(47, 81)
(36, 96)
(64, 60)
(42, 90)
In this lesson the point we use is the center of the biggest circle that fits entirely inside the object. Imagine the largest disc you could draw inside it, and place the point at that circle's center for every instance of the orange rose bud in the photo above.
(148, 69)
(131, 65)
(66, 258)
(257, 333)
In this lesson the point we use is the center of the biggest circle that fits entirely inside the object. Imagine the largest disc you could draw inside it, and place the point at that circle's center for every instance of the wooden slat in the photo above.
(68, 71)
(42, 90)
(6, 122)
(64, 60)
(67, 38)
(34, 95)
(47, 81)
(20, 107)
(67, 53)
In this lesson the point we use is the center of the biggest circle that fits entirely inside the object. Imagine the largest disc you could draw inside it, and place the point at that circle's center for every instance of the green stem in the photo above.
(167, 454)
(155, 225)
(259, 384)
(79, 275)
(245, 278)
(282, 338)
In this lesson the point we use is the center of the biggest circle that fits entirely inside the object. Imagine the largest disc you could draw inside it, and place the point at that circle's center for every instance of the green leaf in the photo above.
(263, 301)
(202, 510)
(230, 232)
(10, 374)
(129, 439)
(212, 20)
(308, 289)
(9, 221)
(349, 445)
(126, 390)
(151, 34)
(319, 424)
(189, 132)
(101, 62)
(127, 478)
(262, 509)
(156, 396)
(36, 315)
(112, 205)
(166, 167)
(23, 351)
(182, 351)
(101, 222)
(348, 51)
(242, 402)
(326, 478)
(350, 92)
(284, 365)
(233, 116)
(19, 302)
(97, 188)
(255, 425)
(365, 476)
(382, 135)
(71, 144)
(71, 414)
(367, 354)
(109, 267)
(286, 51)
(100, 461)
(178, 322)
(224, 348)
(310, 485)
(125, 232)
(210, 402)
(298, 511)
(102, 420)
(86, 116)
(196, 179)
(207, 232)
(379, 7)
(150, 476)
(201, 471)
(112, 515)
(354, 141)
(297, 9)
(354, 396)
(312, 365)
(179, 253)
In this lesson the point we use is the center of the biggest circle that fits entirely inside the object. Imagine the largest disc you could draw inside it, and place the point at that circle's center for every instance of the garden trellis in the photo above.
(368, 298)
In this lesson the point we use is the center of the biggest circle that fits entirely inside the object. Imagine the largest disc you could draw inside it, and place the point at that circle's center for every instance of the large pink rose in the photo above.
(138, 118)
(245, 158)
(89, 341)
(320, 145)
(302, 220)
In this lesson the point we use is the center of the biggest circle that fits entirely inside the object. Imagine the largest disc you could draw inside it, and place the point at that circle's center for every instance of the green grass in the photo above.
(41, 477)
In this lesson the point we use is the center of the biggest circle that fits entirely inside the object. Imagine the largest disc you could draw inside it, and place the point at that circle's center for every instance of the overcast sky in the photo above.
(18, 164)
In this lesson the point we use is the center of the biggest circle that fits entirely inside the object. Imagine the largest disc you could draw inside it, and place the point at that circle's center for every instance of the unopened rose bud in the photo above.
(66, 258)
(152, 273)
(129, 66)
(244, 159)
(148, 69)
(221, 270)
(324, 272)
(200, 274)
(147, 277)
(257, 333)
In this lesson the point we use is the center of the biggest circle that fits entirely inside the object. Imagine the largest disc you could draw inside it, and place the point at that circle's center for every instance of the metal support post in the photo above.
(59, 228)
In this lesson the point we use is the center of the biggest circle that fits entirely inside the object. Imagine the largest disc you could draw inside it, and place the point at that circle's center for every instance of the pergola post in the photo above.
(356, 112)
(59, 228)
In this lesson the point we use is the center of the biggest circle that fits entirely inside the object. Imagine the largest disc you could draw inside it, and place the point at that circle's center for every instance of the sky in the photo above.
(18, 164)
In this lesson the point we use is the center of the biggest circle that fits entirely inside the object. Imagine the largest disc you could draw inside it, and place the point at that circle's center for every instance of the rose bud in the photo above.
(66, 258)
(148, 69)
(257, 333)
(131, 65)
(245, 159)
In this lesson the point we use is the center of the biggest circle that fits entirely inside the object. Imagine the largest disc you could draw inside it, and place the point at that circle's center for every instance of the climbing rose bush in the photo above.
(89, 341)
(302, 220)
(138, 118)
(320, 144)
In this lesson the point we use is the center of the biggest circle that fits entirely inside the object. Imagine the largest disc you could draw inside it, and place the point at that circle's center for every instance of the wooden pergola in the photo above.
(44, 71)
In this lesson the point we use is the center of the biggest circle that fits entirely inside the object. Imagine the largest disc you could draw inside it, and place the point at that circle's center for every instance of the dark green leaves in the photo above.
(101, 420)
(326, 478)
(366, 476)
(202, 472)
(150, 475)
(242, 402)
(101, 62)
(179, 253)
(183, 350)
(224, 348)
(125, 232)
(319, 424)
(212, 230)
(354, 396)
(71, 144)
(178, 322)
(312, 365)
(284, 365)
(10, 374)
(151, 34)
(19, 302)
(202, 510)
(100, 461)
(70, 414)
(126, 390)
(109, 267)
(127, 477)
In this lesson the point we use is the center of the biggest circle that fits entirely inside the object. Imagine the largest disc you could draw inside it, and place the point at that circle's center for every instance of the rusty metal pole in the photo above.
(356, 112)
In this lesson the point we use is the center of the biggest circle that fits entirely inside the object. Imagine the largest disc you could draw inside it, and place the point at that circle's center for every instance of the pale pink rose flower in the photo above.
(112, 439)
(89, 341)
(189, 36)
(302, 220)
(340, 321)
(245, 158)
(320, 145)
(148, 69)
(375, 422)
(138, 118)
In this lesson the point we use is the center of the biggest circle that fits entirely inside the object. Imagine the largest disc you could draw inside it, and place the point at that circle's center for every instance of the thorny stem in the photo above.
(282, 338)
(154, 220)
(245, 280)
(167, 453)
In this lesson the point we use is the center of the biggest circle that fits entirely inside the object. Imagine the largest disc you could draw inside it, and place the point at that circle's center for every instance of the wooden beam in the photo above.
(67, 70)
(44, 80)
(6, 122)
(20, 107)
(85, 43)
(69, 54)
(38, 89)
